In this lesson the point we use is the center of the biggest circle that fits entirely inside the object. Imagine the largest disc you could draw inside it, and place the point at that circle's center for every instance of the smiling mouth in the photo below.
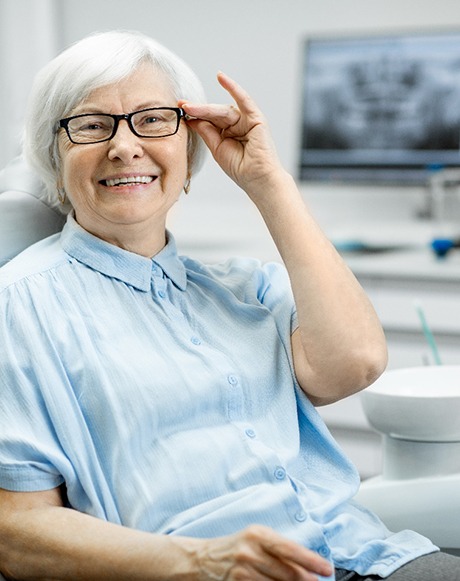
(128, 181)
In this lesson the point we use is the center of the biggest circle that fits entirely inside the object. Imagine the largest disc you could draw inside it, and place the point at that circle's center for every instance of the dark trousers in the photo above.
(432, 567)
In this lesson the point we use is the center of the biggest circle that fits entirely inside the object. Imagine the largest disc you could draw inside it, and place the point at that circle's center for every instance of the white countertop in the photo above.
(416, 263)
(398, 250)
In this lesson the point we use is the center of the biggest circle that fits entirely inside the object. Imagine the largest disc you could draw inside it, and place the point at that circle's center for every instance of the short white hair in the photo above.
(98, 60)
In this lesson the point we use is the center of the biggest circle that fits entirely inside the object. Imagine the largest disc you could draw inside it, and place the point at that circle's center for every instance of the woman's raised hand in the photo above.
(237, 136)
(257, 553)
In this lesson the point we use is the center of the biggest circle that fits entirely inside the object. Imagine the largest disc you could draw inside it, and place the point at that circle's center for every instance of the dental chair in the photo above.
(24, 217)
(417, 411)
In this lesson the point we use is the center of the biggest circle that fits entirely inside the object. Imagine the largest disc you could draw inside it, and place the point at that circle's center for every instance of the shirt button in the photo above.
(195, 340)
(324, 551)
(232, 379)
(280, 473)
(250, 433)
(161, 294)
(300, 516)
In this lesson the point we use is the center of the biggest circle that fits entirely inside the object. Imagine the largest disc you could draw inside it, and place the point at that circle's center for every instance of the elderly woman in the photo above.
(157, 415)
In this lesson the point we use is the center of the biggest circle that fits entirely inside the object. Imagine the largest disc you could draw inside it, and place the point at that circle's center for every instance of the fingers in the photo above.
(224, 116)
(221, 116)
(258, 553)
(242, 99)
(287, 551)
(237, 136)
(265, 552)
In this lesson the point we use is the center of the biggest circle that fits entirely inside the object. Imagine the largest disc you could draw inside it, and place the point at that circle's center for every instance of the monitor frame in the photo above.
(419, 64)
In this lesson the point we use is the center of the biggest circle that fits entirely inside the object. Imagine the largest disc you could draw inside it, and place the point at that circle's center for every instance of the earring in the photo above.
(62, 196)
(187, 185)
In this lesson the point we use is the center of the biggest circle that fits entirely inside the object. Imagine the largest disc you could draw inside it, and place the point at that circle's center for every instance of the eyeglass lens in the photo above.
(99, 127)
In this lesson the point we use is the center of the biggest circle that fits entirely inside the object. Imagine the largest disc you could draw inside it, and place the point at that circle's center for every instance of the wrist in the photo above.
(275, 191)
(183, 558)
(272, 181)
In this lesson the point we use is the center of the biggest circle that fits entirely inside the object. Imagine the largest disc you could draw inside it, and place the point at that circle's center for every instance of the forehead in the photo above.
(147, 86)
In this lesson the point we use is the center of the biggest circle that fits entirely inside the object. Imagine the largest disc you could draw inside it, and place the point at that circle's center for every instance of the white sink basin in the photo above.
(419, 404)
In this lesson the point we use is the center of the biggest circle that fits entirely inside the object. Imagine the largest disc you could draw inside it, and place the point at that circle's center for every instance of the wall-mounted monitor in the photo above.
(380, 109)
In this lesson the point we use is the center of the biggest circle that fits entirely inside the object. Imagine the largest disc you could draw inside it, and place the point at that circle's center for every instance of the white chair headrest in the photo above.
(24, 217)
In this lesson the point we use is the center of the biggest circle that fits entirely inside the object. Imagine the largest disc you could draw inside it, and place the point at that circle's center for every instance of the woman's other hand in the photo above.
(257, 553)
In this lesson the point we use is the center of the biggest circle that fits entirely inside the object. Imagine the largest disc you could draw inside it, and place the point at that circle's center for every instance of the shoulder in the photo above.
(39, 258)
(233, 270)
(240, 274)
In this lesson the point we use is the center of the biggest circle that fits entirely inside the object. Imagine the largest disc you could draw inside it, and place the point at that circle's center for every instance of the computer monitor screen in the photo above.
(380, 108)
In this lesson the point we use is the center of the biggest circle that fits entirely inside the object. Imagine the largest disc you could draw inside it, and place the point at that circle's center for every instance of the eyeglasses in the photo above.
(96, 127)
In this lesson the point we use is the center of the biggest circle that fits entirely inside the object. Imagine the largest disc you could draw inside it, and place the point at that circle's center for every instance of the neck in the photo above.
(146, 240)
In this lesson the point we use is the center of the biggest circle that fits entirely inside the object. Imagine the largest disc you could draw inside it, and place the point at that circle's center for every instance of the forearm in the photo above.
(342, 340)
(59, 543)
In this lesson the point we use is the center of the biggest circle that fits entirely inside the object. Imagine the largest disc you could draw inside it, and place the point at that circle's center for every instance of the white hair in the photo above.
(97, 60)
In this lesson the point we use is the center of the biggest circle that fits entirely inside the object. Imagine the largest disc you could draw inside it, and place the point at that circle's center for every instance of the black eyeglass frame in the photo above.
(180, 113)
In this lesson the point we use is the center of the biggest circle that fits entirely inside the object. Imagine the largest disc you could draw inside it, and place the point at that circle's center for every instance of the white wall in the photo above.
(259, 43)
(28, 39)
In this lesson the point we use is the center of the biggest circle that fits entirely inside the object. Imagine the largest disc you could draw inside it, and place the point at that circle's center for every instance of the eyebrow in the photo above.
(88, 108)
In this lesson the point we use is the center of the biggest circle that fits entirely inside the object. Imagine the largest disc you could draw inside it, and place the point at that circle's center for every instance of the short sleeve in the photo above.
(275, 292)
(31, 457)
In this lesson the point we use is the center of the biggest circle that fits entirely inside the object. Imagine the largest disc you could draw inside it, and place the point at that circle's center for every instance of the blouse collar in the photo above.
(115, 262)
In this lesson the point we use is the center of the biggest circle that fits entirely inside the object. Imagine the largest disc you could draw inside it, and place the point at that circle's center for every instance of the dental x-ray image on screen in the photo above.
(381, 109)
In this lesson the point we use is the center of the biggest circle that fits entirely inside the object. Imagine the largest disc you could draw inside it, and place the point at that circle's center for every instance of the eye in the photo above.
(91, 124)
(90, 127)
(155, 122)
(150, 119)
(95, 124)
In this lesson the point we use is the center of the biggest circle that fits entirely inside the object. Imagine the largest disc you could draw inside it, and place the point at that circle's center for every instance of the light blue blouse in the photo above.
(161, 392)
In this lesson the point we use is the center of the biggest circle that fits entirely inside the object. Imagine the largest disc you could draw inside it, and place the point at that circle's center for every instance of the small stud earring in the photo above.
(62, 196)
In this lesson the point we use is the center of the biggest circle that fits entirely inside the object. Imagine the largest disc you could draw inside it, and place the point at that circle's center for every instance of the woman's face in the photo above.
(127, 212)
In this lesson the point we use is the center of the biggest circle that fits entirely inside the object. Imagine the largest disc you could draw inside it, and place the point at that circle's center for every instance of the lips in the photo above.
(128, 180)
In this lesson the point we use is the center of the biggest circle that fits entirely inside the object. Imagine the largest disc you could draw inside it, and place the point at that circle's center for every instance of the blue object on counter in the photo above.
(442, 246)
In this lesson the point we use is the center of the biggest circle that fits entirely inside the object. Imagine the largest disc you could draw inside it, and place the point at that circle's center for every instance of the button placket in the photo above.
(232, 379)
(250, 433)
(160, 287)
(300, 516)
(279, 473)
(158, 282)
(234, 396)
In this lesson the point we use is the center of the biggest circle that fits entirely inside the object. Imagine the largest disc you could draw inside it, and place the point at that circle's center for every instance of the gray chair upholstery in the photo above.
(24, 218)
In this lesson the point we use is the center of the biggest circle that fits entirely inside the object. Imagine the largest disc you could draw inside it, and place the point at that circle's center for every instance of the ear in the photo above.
(60, 181)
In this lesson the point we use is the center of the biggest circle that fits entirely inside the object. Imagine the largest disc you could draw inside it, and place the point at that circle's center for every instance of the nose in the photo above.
(124, 145)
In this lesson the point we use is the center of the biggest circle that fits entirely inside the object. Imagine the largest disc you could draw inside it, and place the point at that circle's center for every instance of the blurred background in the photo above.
(383, 229)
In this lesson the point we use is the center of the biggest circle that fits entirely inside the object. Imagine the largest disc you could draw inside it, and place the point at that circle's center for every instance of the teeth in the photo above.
(129, 180)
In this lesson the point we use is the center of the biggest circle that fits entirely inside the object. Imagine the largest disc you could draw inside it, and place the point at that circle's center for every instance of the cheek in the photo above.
(67, 165)
(177, 164)
(75, 168)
